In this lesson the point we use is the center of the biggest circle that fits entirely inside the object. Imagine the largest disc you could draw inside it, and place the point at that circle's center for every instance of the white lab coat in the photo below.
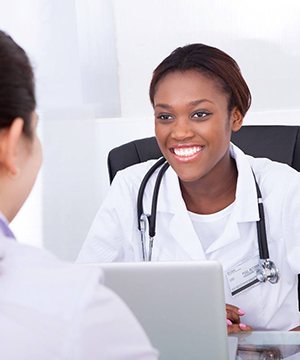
(114, 235)
(51, 310)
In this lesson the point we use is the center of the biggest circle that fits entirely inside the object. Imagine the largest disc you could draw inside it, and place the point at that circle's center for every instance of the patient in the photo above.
(48, 309)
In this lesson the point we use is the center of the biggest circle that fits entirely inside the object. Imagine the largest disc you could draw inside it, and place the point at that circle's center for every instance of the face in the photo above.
(192, 124)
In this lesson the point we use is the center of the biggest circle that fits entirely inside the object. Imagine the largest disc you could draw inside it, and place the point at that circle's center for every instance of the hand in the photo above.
(234, 324)
(296, 328)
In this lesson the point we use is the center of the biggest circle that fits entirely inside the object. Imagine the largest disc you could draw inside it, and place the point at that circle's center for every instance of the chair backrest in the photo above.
(279, 143)
(276, 142)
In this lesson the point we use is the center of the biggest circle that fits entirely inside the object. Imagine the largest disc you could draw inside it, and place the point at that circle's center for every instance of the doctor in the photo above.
(207, 203)
(48, 309)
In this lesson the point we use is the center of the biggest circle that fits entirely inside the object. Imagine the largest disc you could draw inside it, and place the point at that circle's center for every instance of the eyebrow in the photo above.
(192, 103)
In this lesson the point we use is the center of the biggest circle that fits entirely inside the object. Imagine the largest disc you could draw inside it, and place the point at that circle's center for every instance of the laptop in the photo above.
(181, 306)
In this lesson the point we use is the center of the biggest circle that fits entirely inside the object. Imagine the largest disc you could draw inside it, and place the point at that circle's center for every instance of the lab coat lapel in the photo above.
(180, 225)
(231, 233)
(245, 209)
(183, 232)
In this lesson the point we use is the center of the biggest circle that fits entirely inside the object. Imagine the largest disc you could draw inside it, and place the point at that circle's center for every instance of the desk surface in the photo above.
(271, 345)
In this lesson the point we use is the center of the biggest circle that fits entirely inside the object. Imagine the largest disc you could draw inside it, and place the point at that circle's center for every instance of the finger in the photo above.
(236, 328)
(233, 316)
(231, 307)
(233, 329)
(245, 327)
(228, 322)
(295, 329)
(235, 309)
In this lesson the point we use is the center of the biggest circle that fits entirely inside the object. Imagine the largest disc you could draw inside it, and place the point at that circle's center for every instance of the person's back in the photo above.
(48, 309)
(53, 310)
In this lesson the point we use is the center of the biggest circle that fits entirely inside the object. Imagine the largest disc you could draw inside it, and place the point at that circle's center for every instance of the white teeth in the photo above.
(187, 151)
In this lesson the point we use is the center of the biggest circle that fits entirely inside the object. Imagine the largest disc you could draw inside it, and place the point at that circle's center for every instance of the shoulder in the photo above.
(134, 173)
(276, 179)
(266, 170)
(273, 171)
(279, 182)
(127, 181)
(35, 279)
(56, 308)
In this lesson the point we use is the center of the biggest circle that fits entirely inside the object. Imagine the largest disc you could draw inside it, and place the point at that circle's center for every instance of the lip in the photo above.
(186, 152)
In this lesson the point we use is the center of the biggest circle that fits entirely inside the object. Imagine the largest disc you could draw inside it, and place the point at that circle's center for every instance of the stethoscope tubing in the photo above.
(152, 218)
(268, 270)
(140, 208)
(261, 227)
(142, 223)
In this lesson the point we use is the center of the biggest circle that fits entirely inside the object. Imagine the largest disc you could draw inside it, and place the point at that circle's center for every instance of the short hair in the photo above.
(17, 89)
(211, 62)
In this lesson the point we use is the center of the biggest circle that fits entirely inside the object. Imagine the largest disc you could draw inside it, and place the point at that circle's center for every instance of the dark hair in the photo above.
(17, 93)
(211, 62)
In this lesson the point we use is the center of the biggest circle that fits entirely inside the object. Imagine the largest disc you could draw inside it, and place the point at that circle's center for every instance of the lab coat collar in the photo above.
(231, 233)
(245, 209)
(181, 228)
(170, 199)
(4, 227)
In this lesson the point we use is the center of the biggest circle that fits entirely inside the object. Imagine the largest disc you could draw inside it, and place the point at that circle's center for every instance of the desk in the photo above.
(271, 345)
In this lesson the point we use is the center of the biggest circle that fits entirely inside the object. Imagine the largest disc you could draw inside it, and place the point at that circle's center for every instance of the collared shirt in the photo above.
(4, 227)
(53, 310)
(114, 235)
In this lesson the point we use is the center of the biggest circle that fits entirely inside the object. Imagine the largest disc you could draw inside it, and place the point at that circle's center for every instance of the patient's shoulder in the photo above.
(35, 278)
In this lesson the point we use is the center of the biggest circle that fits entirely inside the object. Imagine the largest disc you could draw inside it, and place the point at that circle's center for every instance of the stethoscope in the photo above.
(267, 270)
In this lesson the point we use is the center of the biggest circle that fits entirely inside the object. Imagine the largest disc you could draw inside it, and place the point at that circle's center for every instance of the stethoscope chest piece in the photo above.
(267, 271)
(144, 224)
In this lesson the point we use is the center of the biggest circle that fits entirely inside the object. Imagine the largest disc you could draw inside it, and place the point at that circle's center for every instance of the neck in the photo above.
(8, 195)
(214, 191)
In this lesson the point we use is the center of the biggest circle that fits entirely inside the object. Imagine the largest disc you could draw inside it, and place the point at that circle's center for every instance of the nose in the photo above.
(182, 129)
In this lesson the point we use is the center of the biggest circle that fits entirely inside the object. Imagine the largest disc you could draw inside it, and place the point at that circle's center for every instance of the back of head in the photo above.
(212, 63)
(17, 96)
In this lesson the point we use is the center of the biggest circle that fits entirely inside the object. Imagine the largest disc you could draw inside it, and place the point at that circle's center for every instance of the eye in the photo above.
(200, 114)
(164, 117)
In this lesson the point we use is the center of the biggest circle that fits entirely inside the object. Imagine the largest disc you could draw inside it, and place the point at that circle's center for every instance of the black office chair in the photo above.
(279, 143)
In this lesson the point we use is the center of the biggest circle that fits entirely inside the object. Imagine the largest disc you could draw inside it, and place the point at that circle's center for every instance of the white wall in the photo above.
(263, 36)
(94, 60)
(75, 62)
(75, 176)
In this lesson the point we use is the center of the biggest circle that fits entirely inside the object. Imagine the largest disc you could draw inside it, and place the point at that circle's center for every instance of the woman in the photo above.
(207, 204)
(48, 309)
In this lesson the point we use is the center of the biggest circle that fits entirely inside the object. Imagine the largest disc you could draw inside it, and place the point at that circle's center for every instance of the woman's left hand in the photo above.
(296, 328)
(233, 320)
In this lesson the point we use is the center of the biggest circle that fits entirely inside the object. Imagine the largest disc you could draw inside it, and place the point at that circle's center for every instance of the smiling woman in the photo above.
(193, 128)
(207, 206)
(200, 97)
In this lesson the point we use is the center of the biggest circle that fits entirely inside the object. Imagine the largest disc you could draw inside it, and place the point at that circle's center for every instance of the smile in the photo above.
(187, 151)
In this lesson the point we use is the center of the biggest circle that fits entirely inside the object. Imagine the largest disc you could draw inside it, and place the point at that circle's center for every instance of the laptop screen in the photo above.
(181, 305)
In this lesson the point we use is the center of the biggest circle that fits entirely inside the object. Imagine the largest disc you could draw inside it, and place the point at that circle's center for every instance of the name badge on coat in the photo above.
(243, 276)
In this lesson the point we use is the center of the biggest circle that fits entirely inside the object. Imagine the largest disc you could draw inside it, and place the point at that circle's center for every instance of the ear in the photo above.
(9, 141)
(236, 120)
